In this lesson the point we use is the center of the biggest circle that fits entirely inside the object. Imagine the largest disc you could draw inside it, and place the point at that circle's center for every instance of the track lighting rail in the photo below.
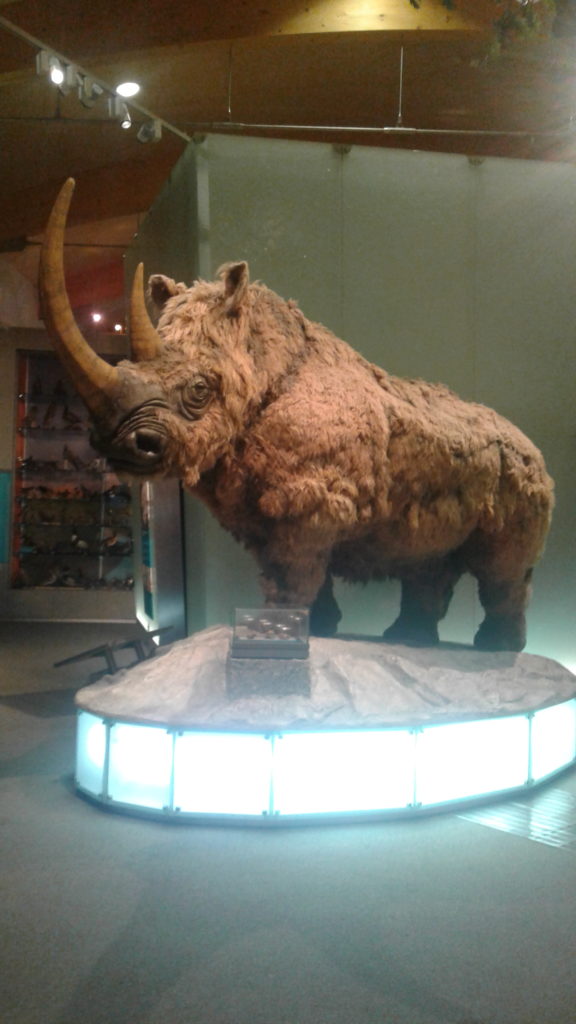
(91, 87)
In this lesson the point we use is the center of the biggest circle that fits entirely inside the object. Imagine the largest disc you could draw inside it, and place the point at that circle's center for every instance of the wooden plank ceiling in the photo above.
(290, 67)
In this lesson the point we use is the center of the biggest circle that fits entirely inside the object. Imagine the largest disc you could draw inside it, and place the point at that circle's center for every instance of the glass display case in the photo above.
(71, 521)
(270, 633)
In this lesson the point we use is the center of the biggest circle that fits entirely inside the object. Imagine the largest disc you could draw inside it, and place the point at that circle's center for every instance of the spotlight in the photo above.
(150, 131)
(127, 89)
(46, 63)
(65, 76)
(42, 62)
(88, 91)
(96, 317)
(56, 72)
(70, 79)
(118, 109)
(118, 328)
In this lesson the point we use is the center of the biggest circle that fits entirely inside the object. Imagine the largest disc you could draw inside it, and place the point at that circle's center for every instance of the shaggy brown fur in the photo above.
(323, 464)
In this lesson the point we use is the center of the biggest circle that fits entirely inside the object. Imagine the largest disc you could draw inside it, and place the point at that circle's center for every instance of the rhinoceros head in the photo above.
(194, 382)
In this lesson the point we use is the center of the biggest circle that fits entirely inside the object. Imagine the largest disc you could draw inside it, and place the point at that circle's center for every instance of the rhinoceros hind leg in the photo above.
(504, 625)
(426, 595)
(501, 634)
(324, 612)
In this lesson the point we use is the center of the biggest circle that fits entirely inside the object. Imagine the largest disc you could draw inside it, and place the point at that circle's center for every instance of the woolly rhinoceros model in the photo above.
(319, 462)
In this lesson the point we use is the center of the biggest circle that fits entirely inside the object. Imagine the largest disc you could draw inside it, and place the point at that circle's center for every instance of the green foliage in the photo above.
(523, 16)
(517, 20)
(522, 21)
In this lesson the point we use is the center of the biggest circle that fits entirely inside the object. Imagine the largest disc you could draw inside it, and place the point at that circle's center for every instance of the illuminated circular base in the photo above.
(202, 766)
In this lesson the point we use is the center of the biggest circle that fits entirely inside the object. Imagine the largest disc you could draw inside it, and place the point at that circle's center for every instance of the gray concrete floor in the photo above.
(116, 920)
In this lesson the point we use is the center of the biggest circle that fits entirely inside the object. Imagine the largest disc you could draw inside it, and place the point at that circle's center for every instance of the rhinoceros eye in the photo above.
(195, 395)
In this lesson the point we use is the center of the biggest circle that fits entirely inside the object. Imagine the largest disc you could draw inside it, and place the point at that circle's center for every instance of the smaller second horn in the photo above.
(144, 338)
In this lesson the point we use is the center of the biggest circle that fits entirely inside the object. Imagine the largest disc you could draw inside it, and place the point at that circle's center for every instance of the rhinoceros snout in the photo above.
(148, 444)
(139, 451)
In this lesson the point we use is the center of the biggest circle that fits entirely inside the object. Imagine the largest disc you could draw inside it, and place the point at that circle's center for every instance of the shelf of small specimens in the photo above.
(72, 517)
(66, 577)
(53, 470)
(75, 546)
(118, 496)
(78, 506)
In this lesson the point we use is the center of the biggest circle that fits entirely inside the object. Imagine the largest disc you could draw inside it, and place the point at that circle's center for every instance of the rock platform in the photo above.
(347, 682)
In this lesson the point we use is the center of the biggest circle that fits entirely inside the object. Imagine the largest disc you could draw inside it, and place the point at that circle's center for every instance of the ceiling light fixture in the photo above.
(56, 75)
(127, 89)
(88, 91)
(69, 79)
(46, 63)
(65, 76)
(150, 131)
(118, 110)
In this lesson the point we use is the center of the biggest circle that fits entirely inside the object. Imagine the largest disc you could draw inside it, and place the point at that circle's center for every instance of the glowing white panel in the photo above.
(222, 773)
(343, 771)
(90, 753)
(553, 738)
(471, 758)
(140, 765)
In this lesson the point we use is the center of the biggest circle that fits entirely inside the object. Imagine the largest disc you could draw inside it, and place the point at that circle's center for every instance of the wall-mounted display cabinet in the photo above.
(71, 521)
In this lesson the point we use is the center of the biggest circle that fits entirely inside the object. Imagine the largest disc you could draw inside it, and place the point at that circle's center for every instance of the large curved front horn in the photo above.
(144, 339)
(97, 383)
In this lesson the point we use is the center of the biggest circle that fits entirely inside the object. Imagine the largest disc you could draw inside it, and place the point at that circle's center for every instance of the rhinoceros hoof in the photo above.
(501, 635)
(323, 625)
(411, 634)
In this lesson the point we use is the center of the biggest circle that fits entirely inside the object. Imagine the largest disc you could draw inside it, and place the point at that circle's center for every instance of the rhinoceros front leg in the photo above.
(325, 613)
(426, 594)
(304, 582)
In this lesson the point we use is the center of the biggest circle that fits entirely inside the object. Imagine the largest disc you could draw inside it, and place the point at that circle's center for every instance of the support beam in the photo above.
(106, 28)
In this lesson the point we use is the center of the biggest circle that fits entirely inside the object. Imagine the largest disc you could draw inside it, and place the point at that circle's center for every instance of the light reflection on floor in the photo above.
(549, 818)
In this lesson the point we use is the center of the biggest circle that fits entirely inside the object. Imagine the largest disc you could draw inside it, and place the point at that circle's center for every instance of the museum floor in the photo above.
(115, 920)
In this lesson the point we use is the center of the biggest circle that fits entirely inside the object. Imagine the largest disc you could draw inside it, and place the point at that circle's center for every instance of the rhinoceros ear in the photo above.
(236, 279)
(163, 288)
